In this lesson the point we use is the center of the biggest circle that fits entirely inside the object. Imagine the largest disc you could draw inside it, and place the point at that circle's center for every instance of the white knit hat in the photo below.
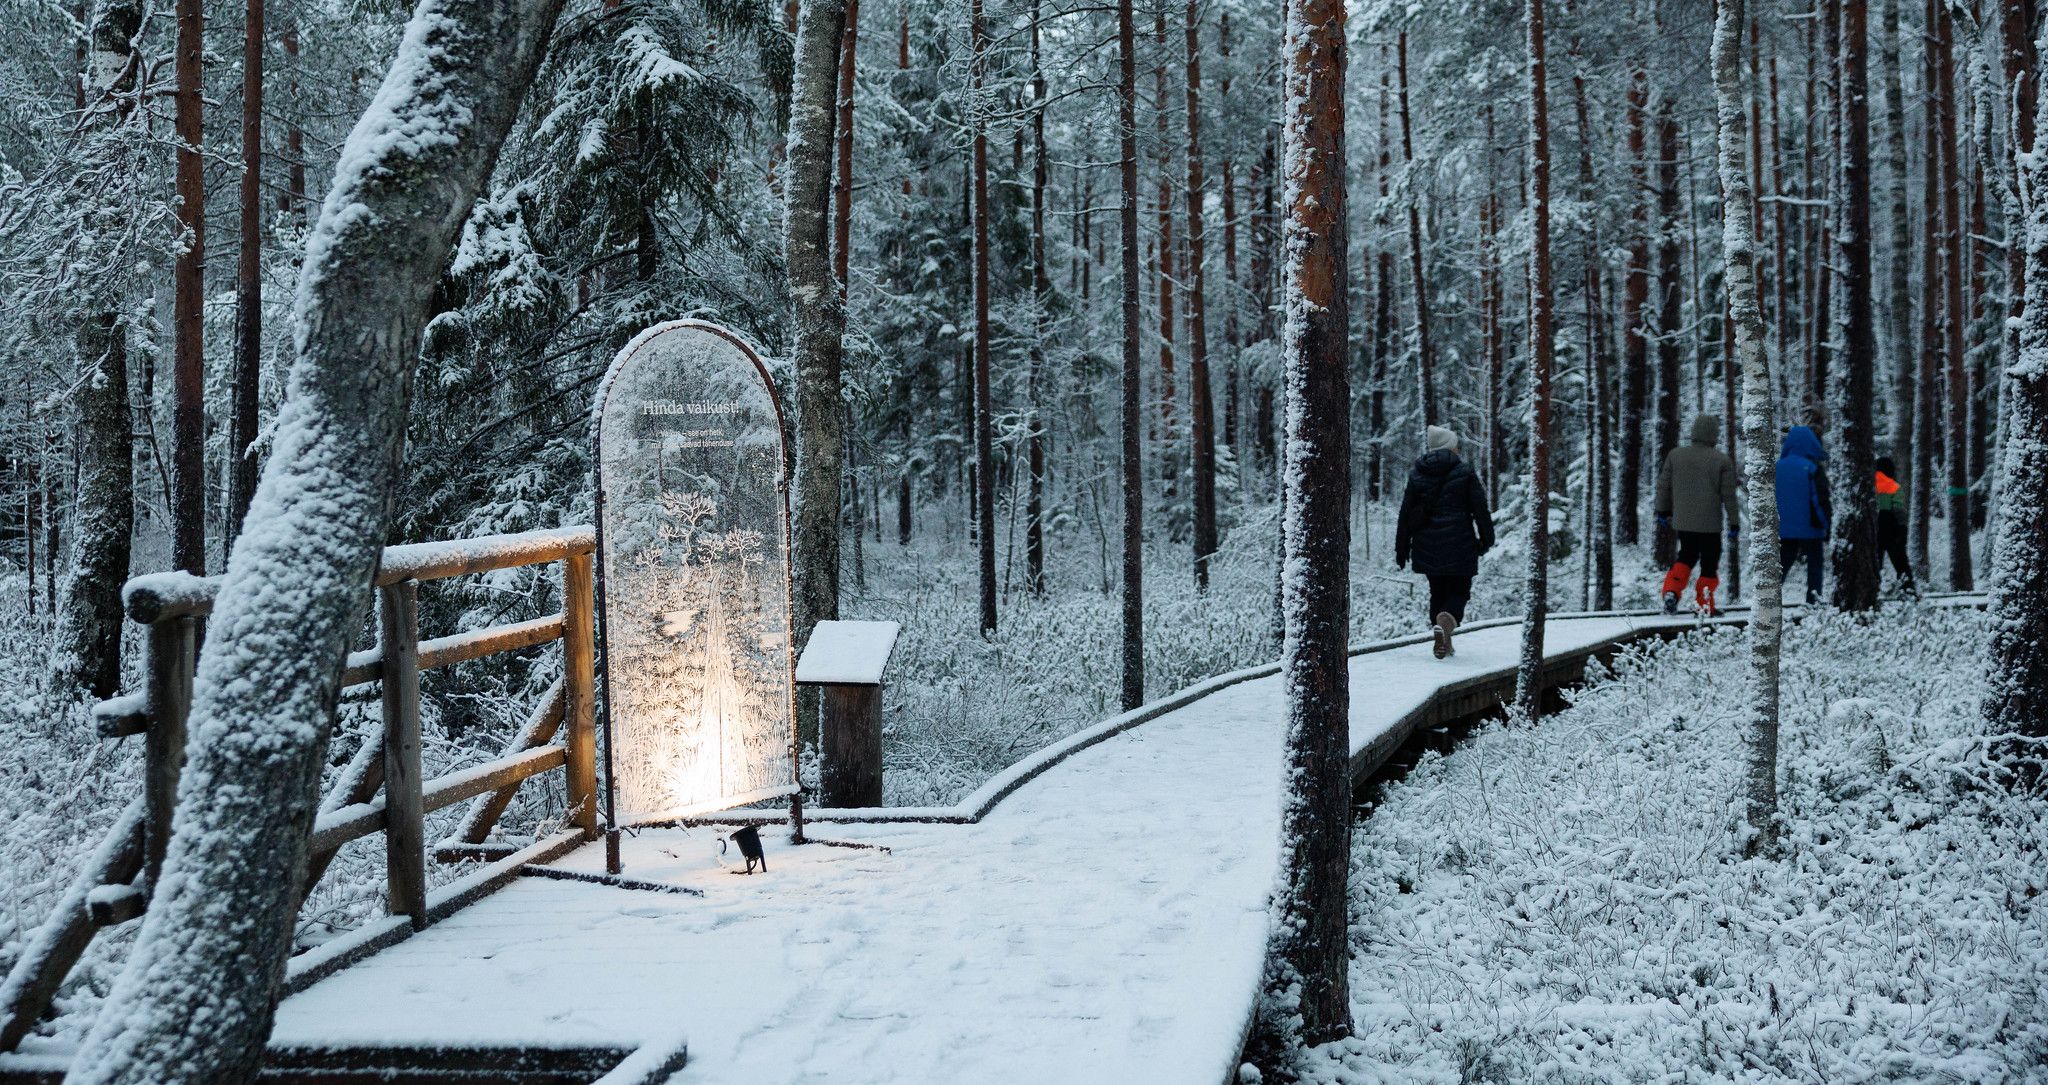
(1439, 437)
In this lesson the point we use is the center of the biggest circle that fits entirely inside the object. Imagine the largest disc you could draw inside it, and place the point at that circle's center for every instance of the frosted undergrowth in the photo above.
(1558, 904)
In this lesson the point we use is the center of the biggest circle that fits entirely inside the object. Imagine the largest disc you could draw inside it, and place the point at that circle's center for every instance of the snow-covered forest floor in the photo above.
(1559, 903)
(958, 708)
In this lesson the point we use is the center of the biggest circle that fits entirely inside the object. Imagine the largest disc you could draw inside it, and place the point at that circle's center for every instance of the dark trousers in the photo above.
(1448, 595)
(1815, 552)
(1891, 535)
(1701, 552)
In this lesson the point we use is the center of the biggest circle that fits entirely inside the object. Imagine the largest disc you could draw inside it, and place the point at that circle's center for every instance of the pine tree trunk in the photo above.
(842, 135)
(1669, 316)
(1957, 452)
(1311, 958)
(1133, 453)
(1854, 549)
(87, 643)
(1166, 266)
(1492, 325)
(2018, 668)
(1542, 315)
(248, 375)
(1383, 287)
(818, 327)
(195, 1001)
(1759, 427)
(1599, 460)
(984, 424)
(1899, 292)
(1635, 353)
(1425, 354)
(1041, 290)
(1202, 411)
(188, 301)
(1926, 392)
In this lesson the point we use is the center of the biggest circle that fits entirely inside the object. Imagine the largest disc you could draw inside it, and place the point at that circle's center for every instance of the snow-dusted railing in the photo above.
(382, 790)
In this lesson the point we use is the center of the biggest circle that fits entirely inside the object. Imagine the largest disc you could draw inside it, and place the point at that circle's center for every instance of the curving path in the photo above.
(1105, 921)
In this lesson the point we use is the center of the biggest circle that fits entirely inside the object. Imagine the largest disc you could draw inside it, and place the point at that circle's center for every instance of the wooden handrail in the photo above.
(383, 791)
(358, 820)
(368, 666)
(157, 597)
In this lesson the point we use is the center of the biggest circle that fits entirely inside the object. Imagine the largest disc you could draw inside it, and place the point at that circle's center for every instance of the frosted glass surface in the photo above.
(696, 574)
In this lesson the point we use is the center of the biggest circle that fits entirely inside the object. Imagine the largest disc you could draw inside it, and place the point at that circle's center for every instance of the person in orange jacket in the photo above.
(1891, 523)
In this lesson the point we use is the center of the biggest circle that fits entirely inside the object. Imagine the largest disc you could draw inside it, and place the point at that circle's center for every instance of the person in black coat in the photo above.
(1444, 527)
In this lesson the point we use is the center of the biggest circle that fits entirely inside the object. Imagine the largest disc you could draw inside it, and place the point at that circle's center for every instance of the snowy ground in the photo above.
(1558, 904)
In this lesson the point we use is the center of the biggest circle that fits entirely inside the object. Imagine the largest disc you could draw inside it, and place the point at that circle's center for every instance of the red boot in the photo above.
(1674, 585)
(1704, 595)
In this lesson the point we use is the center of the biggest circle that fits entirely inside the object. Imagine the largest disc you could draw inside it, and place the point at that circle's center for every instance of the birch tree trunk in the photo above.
(1133, 452)
(1759, 425)
(1854, 548)
(818, 325)
(195, 1002)
(1308, 974)
(1542, 314)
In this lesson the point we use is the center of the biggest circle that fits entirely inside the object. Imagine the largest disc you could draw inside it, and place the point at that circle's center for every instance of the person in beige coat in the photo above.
(1695, 490)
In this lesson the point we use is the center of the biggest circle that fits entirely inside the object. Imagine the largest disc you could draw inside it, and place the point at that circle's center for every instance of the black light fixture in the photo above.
(749, 840)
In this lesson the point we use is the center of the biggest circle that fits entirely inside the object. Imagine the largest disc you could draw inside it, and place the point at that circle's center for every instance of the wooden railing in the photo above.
(381, 790)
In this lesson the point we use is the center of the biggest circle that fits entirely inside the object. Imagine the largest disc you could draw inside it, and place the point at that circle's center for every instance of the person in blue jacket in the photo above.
(1804, 511)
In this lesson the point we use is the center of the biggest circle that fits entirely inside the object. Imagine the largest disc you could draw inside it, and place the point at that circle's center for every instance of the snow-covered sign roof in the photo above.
(846, 654)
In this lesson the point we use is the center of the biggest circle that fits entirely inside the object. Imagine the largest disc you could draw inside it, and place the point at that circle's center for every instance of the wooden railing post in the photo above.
(405, 849)
(579, 682)
(173, 656)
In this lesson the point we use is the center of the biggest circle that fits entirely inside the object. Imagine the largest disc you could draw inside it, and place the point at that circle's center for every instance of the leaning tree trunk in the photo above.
(1854, 386)
(87, 652)
(1311, 957)
(818, 325)
(195, 1002)
(2018, 701)
(1542, 314)
(1759, 424)
(1133, 692)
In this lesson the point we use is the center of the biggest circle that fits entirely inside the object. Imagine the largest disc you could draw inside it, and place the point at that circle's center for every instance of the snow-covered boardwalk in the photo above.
(1104, 921)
